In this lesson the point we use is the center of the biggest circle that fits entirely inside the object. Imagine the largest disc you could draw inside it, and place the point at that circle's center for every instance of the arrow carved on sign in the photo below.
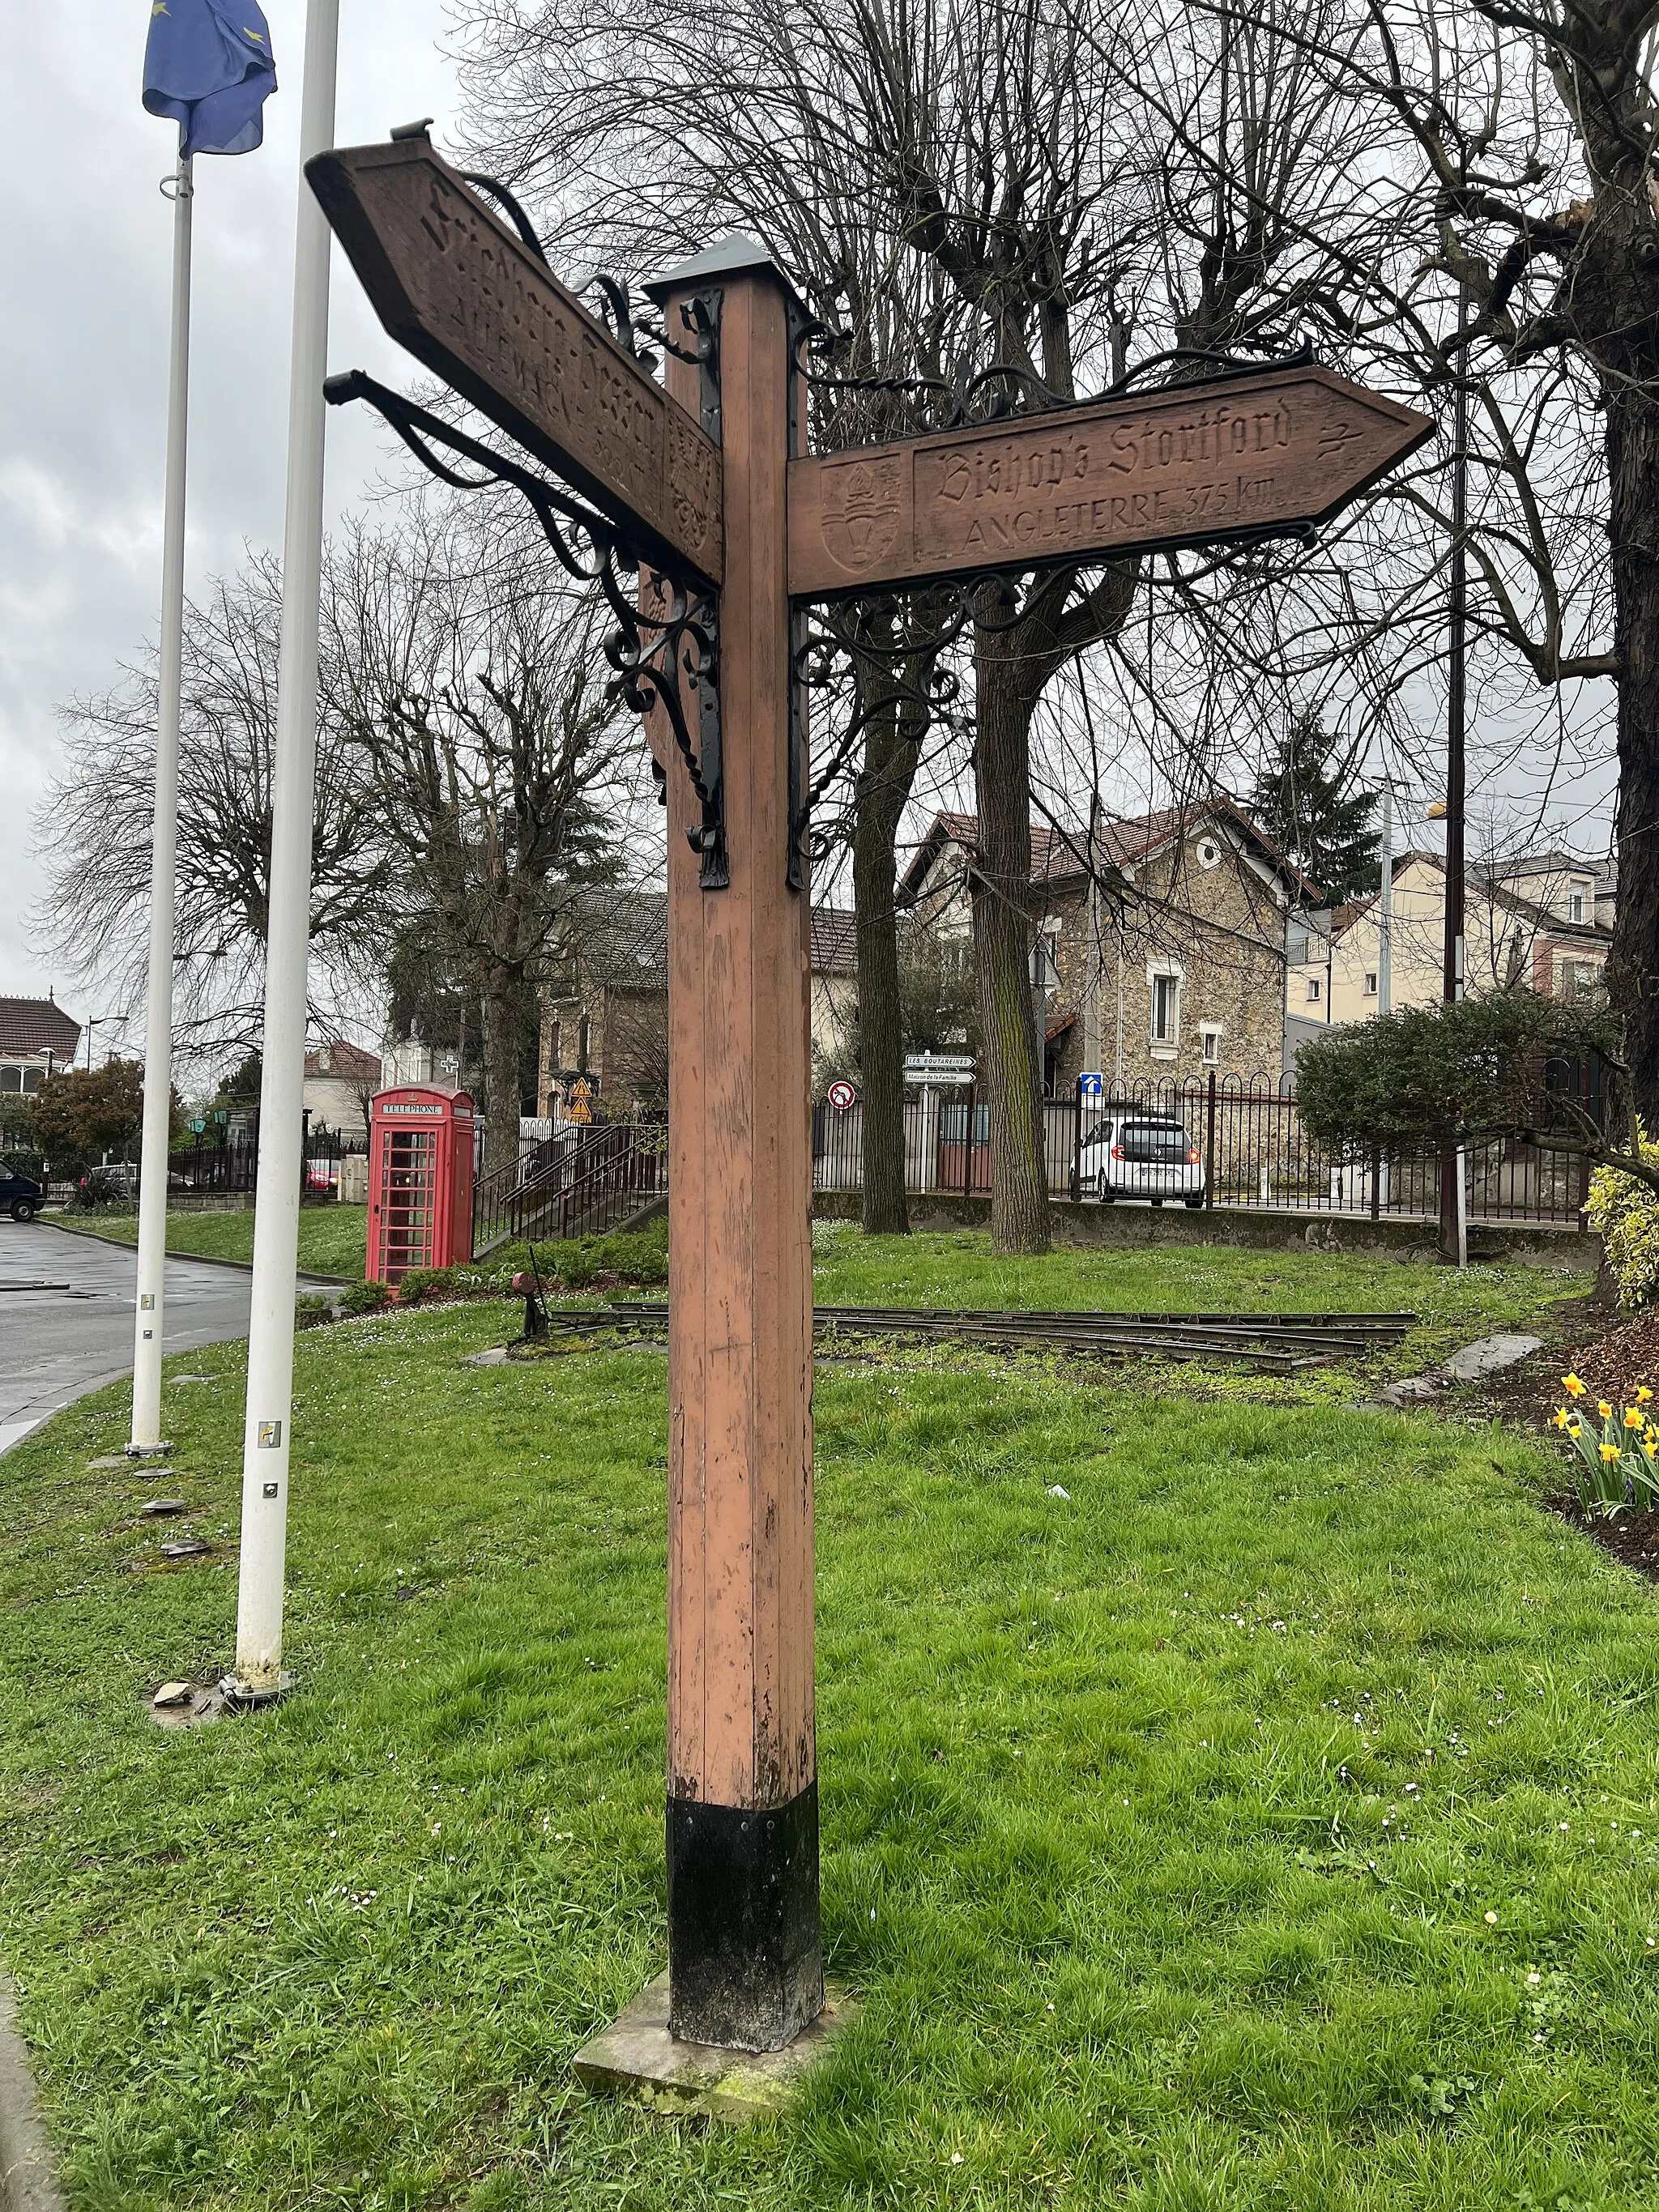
(455, 286)
(1239, 457)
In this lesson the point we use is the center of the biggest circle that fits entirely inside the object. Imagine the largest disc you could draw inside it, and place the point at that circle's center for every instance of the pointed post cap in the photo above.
(735, 255)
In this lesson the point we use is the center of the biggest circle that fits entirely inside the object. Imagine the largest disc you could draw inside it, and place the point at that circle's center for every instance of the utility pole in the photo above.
(1453, 1218)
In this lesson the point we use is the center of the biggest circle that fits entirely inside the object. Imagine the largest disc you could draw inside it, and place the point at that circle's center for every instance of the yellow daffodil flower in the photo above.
(1642, 1396)
(1572, 1386)
(1604, 1409)
(1560, 1421)
(1633, 1419)
(1609, 1452)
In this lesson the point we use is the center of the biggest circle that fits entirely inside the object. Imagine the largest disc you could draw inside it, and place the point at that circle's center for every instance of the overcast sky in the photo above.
(85, 273)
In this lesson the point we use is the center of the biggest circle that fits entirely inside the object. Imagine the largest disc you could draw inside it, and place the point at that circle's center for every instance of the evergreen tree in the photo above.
(1308, 801)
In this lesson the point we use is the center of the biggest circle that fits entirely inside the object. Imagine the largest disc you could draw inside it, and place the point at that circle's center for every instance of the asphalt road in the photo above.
(66, 1317)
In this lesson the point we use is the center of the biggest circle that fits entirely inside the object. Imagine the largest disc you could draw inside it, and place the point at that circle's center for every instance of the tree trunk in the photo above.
(502, 1004)
(1010, 1075)
(891, 750)
(1633, 529)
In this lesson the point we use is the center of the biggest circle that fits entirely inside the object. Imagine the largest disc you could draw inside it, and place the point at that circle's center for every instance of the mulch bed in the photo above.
(1613, 1363)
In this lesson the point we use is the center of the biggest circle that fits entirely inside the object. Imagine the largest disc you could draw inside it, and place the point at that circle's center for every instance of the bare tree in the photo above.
(480, 707)
(95, 824)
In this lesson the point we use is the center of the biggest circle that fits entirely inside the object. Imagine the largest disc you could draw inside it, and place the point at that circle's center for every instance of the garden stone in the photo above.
(1411, 1390)
(1490, 1355)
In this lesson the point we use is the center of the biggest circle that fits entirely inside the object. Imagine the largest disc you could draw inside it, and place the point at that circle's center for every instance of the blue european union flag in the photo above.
(208, 65)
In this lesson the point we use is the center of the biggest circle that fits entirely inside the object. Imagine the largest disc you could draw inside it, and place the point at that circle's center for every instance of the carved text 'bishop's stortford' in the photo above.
(1213, 461)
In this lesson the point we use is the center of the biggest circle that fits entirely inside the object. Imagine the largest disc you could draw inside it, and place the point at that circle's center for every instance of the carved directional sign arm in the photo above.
(1243, 458)
(452, 283)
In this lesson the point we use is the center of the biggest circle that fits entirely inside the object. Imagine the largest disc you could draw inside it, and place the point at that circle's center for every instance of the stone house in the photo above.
(1157, 941)
(604, 1002)
(1545, 920)
(340, 1080)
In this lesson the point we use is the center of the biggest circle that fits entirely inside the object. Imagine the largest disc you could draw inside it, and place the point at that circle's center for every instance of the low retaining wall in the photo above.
(1267, 1229)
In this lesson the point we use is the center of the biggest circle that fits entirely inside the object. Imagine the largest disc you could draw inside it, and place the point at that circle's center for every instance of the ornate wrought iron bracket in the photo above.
(655, 647)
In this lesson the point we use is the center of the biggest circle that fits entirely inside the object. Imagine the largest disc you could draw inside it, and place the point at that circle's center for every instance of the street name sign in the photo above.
(460, 290)
(1239, 457)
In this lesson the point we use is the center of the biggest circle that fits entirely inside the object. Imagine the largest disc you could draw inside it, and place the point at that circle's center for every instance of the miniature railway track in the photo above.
(1278, 1344)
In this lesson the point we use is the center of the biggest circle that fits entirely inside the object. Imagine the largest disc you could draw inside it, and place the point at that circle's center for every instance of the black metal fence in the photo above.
(1256, 1153)
(226, 1166)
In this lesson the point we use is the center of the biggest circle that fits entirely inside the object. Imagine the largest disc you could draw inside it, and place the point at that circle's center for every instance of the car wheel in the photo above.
(1103, 1190)
(1193, 1203)
(1158, 1201)
(24, 1210)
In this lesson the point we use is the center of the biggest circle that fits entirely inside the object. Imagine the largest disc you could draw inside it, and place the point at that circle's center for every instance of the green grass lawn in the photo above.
(1267, 1827)
(331, 1236)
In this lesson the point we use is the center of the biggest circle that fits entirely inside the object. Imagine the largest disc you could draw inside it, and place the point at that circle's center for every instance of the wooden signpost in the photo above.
(703, 481)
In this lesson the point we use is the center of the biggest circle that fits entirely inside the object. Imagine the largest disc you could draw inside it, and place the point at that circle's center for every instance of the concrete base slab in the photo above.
(637, 2058)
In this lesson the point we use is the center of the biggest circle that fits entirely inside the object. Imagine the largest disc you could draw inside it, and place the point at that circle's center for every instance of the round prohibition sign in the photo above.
(843, 1096)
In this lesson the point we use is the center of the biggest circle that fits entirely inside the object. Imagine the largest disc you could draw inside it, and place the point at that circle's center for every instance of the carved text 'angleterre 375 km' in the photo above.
(1211, 462)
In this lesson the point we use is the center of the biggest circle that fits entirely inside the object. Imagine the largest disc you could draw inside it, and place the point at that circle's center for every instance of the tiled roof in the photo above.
(835, 941)
(1058, 855)
(349, 1062)
(622, 940)
(32, 1027)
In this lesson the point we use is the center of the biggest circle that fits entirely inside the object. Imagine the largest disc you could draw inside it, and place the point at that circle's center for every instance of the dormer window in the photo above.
(1576, 903)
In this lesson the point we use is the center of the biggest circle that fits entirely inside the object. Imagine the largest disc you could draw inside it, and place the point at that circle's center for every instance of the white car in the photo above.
(1141, 1155)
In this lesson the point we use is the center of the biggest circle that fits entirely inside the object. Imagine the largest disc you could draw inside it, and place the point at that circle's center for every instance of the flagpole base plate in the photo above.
(146, 1451)
(244, 1698)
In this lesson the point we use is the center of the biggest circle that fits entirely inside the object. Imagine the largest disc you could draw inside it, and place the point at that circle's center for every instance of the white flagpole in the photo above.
(158, 1013)
(266, 1439)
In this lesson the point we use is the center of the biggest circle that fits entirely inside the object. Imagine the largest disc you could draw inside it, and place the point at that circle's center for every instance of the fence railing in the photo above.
(1256, 1151)
(576, 1184)
(234, 1165)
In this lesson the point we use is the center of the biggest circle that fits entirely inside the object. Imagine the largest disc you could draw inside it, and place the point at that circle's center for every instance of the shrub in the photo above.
(364, 1298)
(1624, 1215)
(423, 1282)
(1620, 1450)
(312, 1312)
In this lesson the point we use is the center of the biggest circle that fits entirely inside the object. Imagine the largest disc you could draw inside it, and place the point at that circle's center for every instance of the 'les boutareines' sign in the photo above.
(1224, 459)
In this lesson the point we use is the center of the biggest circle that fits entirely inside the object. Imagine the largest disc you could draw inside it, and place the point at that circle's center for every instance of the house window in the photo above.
(1315, 989)
(1576, 903)
(1371, 984)
(1210, 1044)
(12, 1078)
(1045, 970)
(1166, 1009)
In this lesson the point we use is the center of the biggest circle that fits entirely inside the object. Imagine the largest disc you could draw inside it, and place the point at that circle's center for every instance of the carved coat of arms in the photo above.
(861, 510)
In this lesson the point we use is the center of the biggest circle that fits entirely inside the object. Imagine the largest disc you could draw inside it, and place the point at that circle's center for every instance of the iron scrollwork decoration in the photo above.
(667, 629)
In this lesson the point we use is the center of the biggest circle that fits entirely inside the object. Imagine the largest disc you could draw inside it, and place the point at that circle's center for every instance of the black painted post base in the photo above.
(745, 1957)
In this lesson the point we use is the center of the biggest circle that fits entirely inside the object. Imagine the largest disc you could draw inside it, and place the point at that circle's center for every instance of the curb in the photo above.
(191, 1259)
(27, 2182)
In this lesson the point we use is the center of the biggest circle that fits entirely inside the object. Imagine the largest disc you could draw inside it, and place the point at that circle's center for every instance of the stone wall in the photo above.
(1216, 930)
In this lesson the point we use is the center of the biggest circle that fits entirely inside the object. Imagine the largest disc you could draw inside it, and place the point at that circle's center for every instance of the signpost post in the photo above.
(699, 480)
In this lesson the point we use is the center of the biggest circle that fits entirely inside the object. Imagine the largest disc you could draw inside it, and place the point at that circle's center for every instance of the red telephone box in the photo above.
(420, 1179)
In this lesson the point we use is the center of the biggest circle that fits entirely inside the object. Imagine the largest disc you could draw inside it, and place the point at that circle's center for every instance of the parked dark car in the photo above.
(20, 1196)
